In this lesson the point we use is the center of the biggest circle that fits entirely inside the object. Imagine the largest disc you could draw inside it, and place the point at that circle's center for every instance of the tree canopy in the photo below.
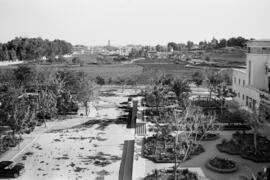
(33, 49)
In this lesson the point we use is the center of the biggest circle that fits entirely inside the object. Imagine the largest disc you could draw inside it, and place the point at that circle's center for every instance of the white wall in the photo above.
(244, 91)
(258, 76)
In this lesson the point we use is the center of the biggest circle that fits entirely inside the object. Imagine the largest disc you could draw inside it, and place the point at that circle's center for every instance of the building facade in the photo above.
(252, 85)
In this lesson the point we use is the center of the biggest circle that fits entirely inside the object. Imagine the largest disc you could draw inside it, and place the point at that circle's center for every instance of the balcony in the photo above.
(265, 105)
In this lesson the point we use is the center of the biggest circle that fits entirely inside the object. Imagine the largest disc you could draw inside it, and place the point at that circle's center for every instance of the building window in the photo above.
(234, 80)
(243, 97)
(244, 83)
(239, 95)
(269, 83)
(249, 72)
(239, 81)
(246, 100)
(254, 104)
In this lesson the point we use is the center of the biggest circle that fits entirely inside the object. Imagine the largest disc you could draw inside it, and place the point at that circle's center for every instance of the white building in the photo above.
(252, 85)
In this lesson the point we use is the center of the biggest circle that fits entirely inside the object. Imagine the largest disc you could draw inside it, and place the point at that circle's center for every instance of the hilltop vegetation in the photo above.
(226, 55)
(33, 49)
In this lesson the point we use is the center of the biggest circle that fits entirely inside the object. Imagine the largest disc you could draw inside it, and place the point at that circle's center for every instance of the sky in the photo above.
(146, 22)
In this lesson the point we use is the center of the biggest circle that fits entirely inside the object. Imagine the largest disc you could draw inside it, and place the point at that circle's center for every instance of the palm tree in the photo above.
(181, 89)
(213, 79)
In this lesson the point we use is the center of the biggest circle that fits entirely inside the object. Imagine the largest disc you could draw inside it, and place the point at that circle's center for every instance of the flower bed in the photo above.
(242, 144)
(162, 150)
(240, 127)
(183, 174)
(207, 137)
(221, 165)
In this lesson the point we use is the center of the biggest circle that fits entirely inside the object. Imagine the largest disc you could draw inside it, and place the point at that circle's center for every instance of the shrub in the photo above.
(130, 82)
(109, 80)
(223, 141)
(82, 63)
(76, 60)
(100, 80)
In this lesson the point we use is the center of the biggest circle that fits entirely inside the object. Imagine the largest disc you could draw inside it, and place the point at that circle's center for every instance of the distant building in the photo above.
(152, 54)
(195, 47)
(252, 85)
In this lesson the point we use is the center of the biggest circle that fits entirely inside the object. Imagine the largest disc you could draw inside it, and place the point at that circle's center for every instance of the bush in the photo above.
(76, 60)
(100, 80)
(130, 82)
(223, 141)
(110, 80)
(119, 81)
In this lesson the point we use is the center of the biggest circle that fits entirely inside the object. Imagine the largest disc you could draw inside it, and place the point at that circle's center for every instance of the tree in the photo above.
(173, 45)
(189, 45)
(12, 55)
(3, 52)
(155, 95)
(181, 89)
(239, 41)
(47, 104)
(86, 91)
(7, 77)
(222, 43)
(202, 44)
(159, 48)
(33, 49)
(18, 110)
(187, 120)
(70, 79)
(213, 80)
(24, 75)
(254, 120)
(197, 78)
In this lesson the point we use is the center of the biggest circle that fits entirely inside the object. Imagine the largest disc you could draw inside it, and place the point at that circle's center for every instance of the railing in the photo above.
(264, 95)
(265, 103)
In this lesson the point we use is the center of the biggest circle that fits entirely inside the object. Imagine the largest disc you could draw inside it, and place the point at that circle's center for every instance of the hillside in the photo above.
(229, 56)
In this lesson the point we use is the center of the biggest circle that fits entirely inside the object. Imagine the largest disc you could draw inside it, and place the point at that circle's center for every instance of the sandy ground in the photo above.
(72, 150)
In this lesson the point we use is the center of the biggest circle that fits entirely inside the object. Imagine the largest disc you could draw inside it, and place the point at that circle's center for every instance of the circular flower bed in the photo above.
(161, 149)
(221, 165)
(243, 145)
